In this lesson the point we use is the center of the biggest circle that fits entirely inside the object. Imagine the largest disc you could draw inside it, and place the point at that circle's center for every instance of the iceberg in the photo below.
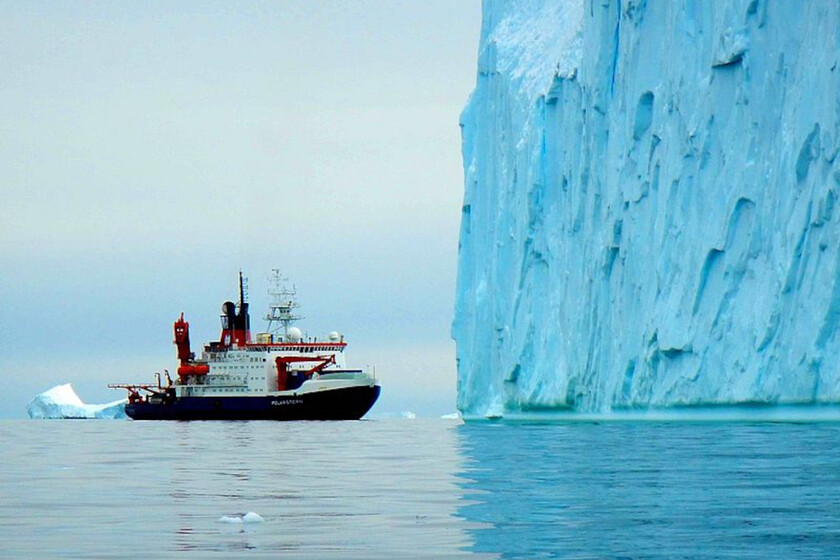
(649, 214)
(62, 402)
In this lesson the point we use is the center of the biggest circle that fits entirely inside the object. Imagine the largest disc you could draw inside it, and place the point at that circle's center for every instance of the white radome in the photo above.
(295, 335)
(335, 336)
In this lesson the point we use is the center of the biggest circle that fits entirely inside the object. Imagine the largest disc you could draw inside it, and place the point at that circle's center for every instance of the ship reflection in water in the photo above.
(652, 490)
(349, 490)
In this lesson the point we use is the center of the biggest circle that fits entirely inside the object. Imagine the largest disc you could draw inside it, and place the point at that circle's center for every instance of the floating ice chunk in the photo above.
(452, 416)
(408, 415)
(62, 402)
(249, 517)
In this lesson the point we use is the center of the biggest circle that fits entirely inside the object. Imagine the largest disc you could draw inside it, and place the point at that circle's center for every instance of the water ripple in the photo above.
(420, 489)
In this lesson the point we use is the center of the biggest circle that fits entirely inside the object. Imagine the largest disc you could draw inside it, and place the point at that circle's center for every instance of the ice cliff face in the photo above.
(650, 216)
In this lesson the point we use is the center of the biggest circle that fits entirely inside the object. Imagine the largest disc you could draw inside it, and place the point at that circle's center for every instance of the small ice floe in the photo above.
(408, 415)
(452, 416)
(249, 517)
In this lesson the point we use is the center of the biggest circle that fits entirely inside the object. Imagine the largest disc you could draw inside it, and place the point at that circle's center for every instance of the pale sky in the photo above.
(150, 150)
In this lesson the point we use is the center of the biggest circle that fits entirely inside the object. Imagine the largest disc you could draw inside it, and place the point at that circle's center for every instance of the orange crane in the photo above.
(282, 363)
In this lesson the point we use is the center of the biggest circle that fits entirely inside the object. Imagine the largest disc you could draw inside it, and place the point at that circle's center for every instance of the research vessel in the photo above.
(282, 375)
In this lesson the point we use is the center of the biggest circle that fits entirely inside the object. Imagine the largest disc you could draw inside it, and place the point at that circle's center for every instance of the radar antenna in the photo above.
(281, 308)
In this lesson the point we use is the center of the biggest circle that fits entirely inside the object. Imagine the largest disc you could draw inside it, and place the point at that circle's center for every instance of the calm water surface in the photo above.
(419, 489)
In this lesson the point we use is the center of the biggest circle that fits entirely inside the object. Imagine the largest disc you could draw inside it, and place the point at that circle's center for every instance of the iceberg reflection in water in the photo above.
(652, 490)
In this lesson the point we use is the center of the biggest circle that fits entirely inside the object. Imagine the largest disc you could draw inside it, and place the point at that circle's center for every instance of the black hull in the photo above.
(350, 403)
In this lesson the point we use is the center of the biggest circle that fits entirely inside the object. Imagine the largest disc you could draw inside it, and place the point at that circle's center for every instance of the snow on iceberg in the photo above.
(62, 402)
(650, 213)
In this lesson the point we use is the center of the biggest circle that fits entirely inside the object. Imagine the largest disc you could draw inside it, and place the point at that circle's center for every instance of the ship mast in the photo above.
(243, 289)
(283, 305)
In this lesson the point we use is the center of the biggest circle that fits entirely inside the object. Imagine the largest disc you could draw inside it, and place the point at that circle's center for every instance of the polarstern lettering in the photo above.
(286, 402)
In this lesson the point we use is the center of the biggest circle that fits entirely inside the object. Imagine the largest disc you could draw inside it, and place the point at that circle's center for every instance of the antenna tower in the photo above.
(282, 305)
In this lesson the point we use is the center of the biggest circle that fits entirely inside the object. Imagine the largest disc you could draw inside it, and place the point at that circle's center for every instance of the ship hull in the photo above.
(349, 403)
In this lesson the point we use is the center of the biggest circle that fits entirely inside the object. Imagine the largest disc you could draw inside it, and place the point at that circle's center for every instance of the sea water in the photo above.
(419, 489)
